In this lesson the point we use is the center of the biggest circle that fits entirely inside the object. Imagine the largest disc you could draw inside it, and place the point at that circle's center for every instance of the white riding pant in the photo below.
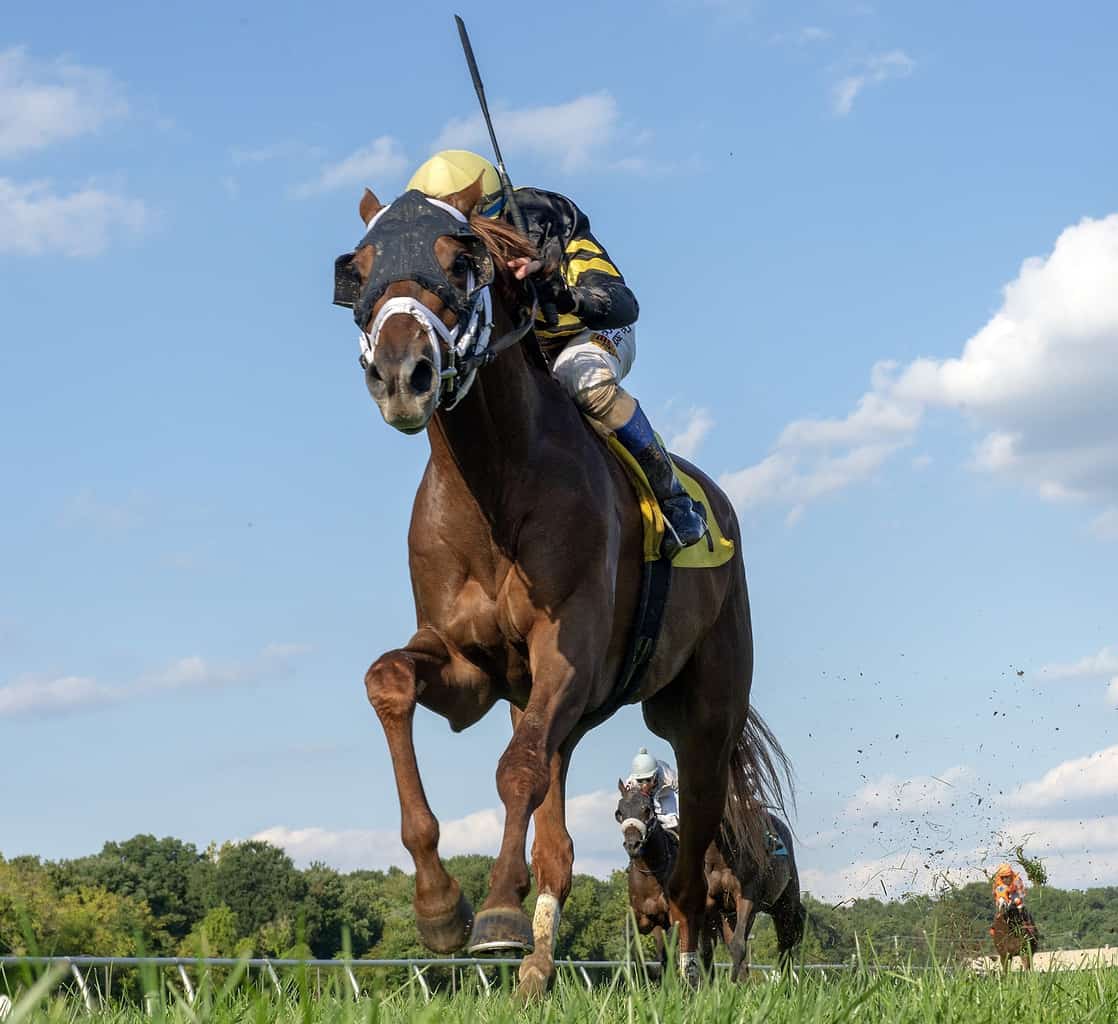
(592, 364)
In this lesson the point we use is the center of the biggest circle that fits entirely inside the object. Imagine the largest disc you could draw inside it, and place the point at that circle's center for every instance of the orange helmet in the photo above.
(1004, 871)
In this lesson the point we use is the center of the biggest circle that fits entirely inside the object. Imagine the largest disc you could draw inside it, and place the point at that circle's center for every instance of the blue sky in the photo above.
(876, 250)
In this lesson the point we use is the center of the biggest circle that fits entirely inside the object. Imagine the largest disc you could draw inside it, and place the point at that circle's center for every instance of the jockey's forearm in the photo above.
(601, 307)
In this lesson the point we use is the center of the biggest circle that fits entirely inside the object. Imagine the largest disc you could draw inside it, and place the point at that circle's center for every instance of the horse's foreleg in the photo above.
(553, 856)
(739, 942)
(443, 914)
(524, 776)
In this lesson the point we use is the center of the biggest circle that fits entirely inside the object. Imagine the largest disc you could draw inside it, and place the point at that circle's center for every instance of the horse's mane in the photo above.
(502, 240)
(505, 243)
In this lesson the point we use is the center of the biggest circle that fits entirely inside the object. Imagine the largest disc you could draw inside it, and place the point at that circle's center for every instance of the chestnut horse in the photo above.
(1015, 934)
(525, 551)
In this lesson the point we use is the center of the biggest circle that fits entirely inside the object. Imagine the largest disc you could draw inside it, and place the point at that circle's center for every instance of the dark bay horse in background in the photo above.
(737, 887)
(1015, 934)
(525, 551)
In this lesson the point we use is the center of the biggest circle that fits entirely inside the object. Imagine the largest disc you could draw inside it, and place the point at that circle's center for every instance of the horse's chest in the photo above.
(479, 625)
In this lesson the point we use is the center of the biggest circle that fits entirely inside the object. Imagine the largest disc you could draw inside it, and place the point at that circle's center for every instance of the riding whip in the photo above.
(550, 313)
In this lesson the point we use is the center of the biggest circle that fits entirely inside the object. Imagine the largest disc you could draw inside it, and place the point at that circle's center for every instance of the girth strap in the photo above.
(656, 578)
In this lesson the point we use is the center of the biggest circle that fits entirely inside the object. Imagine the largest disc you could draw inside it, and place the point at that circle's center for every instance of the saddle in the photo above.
(715, 551)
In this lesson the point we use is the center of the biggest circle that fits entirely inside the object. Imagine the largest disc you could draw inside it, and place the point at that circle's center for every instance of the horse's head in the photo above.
(419, 285)
(637, 817)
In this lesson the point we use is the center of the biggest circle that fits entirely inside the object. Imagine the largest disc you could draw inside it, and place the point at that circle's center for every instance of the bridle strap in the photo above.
(476, 360)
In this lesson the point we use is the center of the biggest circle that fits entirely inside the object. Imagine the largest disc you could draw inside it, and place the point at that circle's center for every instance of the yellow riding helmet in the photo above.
(451, 171)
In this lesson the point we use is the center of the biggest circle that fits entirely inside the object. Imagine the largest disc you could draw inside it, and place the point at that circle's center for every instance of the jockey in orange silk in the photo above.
(1009, 887)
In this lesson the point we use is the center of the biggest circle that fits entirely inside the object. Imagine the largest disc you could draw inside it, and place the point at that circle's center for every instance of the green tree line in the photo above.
(166, 897)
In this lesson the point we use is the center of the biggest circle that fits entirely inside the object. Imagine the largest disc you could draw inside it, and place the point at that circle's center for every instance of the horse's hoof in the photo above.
(536, 977)
(446, 933)
(501, 930)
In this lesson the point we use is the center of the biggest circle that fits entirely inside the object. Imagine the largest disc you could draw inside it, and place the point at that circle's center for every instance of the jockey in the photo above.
(1009, 888)
(593, 345)
(656, 779)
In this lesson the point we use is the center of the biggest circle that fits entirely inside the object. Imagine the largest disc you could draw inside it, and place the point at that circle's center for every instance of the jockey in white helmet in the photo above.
(593, 344)
(658, 780)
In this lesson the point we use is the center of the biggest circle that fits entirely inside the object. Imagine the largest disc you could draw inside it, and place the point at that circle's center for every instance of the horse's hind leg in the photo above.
(738, 946)
(702, 735)
(443, 914)
(702, 713)
(788, 917)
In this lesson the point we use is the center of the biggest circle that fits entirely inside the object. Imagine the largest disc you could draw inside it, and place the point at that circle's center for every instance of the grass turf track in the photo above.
(901, 996)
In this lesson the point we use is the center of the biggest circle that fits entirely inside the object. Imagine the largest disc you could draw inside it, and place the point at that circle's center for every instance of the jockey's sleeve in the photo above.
(561, 232)
(666, 803)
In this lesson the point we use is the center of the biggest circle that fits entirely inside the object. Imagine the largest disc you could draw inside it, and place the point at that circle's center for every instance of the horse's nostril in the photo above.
(422, 377)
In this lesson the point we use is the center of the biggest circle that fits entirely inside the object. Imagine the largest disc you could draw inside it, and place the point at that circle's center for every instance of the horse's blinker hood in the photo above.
(404, 236)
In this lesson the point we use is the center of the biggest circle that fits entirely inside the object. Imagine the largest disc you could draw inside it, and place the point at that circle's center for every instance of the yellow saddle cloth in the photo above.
(697, 556)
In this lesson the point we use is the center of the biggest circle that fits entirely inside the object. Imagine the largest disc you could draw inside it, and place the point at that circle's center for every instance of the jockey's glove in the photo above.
(553, 290)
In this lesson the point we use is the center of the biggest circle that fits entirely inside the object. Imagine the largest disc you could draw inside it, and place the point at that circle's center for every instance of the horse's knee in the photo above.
(390, 685)
(522, 774)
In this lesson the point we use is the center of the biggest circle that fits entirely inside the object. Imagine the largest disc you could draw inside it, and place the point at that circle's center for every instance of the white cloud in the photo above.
(590, 821)
(1093, 776)
(42, 697)
(54, 696)
(1074, 853)
(690, 437)
(1103, 663)
(801, 37)
(1047, 835)
(43, 102)
(1038, 378)
(290, 150)
(35, 220)
(1112, 692)
(86, 509)
(381, 159)
(904, 872)
(889, 794)
(873, 71)
(566, 134)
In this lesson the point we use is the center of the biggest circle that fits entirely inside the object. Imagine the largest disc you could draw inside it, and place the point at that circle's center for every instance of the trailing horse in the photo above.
(526, 553)
(736, 888)
(1015, 934)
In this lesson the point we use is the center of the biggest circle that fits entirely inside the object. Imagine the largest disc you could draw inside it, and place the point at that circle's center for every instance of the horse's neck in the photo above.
(489, 438)
(658, 855)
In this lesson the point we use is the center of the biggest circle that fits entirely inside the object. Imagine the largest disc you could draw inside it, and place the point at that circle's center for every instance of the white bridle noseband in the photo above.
(636, 823)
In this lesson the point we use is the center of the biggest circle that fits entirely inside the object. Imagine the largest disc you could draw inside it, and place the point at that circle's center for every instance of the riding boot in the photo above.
(684, 519)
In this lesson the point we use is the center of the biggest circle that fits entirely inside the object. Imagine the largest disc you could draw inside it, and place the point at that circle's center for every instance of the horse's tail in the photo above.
(760, 775)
